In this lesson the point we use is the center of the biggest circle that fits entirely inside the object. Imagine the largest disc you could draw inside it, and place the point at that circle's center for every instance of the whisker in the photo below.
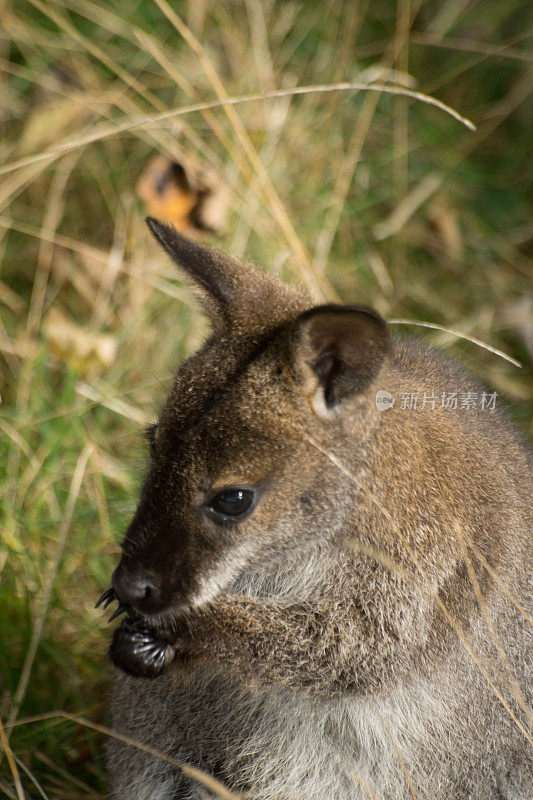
(121, 609)
(107, 597)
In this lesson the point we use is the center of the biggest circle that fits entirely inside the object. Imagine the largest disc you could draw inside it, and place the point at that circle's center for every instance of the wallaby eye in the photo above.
(232, 502)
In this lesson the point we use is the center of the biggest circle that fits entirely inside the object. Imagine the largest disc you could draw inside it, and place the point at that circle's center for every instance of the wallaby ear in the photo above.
(338, 351)
(234, 294)
(212, 272)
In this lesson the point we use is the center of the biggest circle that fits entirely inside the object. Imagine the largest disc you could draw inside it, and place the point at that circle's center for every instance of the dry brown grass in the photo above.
(368, 197)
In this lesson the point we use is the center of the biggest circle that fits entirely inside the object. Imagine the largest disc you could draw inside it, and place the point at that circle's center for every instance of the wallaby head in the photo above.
(233, 480)
(309, 570)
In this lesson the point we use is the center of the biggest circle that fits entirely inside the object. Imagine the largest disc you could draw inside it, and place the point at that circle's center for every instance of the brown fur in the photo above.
(340, 641)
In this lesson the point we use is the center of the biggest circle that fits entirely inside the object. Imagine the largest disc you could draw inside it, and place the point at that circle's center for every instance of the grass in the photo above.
(372, 198)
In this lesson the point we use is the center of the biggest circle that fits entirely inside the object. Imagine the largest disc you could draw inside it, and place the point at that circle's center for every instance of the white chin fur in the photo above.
(218, 580)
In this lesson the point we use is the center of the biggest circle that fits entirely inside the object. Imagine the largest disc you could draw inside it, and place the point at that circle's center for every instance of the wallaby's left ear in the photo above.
(338, 351)
(236, 296)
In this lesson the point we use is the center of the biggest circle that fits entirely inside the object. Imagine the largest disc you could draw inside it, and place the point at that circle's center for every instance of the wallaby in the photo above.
(326, 579)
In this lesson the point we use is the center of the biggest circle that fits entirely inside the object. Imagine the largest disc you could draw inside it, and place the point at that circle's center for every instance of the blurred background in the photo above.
(110, 111)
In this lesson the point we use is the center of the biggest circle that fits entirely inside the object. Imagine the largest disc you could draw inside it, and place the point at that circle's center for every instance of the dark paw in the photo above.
(139, 651)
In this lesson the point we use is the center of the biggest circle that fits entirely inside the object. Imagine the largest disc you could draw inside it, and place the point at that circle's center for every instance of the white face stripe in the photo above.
(219, 578)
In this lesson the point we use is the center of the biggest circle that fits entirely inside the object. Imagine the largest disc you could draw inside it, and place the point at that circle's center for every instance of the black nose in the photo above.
(140, 590)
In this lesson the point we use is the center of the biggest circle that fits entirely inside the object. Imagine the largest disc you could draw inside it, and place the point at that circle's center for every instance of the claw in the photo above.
(154, 654)
(120, 609)
(159, 659)
(142, 636)
(107, 597)
(148, 652)
(144, 647)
